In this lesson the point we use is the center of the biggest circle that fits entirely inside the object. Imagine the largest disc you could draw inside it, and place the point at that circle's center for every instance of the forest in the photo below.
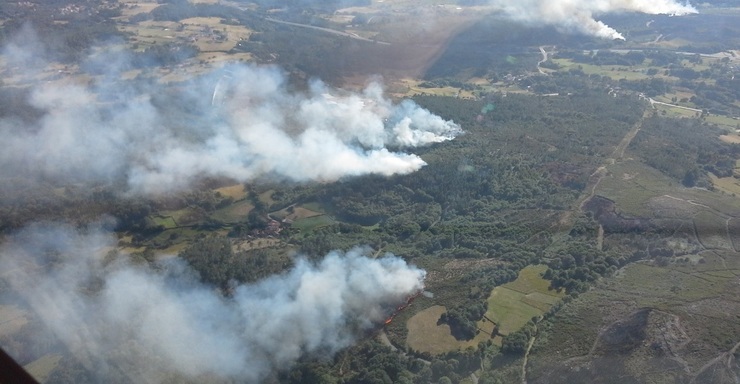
(511, 192)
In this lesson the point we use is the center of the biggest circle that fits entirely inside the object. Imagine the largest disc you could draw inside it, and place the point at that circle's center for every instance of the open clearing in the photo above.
(410, 87)
(236, 192)
(732, 139)
(510, 306)
(425, 335)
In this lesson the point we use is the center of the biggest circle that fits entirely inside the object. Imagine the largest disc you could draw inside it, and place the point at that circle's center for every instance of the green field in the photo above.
(168, 222)
(311, 223)
(425, 335)
(295, 212)
(513, 304)
(615, 72)
(236, 192)
(233, 213)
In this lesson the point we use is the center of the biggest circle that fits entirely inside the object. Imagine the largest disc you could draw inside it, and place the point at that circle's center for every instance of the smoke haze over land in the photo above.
(241, 122)
(579, 15)
(127, 321)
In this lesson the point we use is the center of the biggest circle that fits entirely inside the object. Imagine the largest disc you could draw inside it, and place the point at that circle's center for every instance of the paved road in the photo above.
(544, 58)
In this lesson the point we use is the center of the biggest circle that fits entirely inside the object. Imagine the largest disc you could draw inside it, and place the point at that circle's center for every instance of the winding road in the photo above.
(544, 58)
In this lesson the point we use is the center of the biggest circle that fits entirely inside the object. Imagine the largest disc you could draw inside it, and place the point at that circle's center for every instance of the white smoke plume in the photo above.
(578, 15)
(241, 122)
(126, 322)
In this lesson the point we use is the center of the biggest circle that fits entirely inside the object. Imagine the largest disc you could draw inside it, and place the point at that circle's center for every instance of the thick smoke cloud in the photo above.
(127, 322)
(578, 15)
(240, 122)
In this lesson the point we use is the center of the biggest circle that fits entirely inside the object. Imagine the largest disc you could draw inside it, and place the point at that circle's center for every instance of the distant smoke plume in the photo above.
(240, 122)
(578, 15)
(128, 322)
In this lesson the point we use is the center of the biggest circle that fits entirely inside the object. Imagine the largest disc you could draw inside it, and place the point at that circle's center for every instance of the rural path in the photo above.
(328, 30)
(595, 178)
(526, 354)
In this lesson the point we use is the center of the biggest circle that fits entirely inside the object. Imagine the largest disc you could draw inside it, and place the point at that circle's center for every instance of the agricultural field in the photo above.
(167, 222)
(426, 334)
(308, 224)
(615, 72)
(236, 192)
(233, 213)
(513, 304)
(294, 213)
(510, 306)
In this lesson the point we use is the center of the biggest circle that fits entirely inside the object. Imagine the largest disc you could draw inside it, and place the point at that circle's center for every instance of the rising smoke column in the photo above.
(126, 321)
(243, 122)
(578, 15)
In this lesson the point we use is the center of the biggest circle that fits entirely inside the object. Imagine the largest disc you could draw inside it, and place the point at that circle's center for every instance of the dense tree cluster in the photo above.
(685, 150)
(516, 343)
(462, 320)
(217, 263)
